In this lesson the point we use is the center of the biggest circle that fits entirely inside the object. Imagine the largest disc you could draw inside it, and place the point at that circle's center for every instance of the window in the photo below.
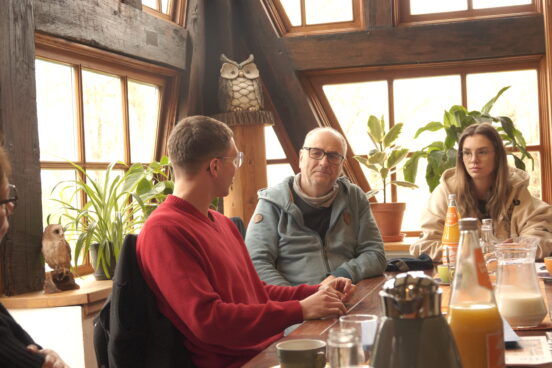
(297, 17)
(418, 95)
(278, 166)
(432, 10)
(173, 10)
(95, 108)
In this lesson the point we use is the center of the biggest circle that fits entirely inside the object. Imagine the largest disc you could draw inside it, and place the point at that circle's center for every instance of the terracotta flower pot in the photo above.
(389, 219)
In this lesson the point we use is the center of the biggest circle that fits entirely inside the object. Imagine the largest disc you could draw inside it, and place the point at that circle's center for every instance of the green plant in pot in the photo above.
(384, 160)
(441, 155)
(117, 204)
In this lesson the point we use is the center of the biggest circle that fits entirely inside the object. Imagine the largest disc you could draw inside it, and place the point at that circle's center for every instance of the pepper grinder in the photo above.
(413, 333)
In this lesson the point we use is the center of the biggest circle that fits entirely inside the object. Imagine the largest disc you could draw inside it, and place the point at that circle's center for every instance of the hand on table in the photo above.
(325, 302)
(51, 358)
(342, 285)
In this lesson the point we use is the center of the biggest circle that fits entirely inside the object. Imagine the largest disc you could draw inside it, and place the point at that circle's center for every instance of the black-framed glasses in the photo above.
(334, 158)
(237, 161)
(12, 196)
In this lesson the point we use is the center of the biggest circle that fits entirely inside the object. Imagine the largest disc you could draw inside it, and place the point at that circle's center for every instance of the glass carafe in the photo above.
(518, 293)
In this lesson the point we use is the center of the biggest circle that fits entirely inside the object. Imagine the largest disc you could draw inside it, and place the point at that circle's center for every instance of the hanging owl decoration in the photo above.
(239, 86)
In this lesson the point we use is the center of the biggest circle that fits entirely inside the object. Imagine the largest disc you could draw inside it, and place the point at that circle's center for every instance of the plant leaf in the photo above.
(405, 184)
(429, 127)
(375, 130)
(396, 157)
(392, 135)
(489, 105)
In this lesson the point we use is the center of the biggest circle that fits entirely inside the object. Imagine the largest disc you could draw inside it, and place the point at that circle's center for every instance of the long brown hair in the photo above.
(465, 189)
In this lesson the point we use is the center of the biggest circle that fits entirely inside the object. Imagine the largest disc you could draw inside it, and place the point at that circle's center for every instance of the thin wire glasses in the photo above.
(12, 196)
(480, 154)
(237, 161)
(334, 158)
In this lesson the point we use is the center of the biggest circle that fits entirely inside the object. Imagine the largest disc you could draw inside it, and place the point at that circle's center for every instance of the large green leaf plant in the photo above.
(117, 204)
(441, 155)
(385, 157)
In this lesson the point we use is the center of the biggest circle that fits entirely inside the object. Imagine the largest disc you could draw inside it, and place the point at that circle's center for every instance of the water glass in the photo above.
(344, 349)
(365, 325)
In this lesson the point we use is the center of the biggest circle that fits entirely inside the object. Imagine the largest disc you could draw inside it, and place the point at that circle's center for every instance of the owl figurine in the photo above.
(57, 254)
(239, 86)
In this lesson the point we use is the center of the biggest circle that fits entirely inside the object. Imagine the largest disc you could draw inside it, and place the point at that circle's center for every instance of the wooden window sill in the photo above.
(91, 295)
(403, 246)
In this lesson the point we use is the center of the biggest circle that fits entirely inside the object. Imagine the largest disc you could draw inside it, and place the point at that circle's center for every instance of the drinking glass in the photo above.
(344, 348)
(365, 325)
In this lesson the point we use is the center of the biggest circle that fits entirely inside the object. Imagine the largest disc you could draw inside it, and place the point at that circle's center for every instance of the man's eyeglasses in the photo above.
(237, 161)
(334, 158)
(12, 196)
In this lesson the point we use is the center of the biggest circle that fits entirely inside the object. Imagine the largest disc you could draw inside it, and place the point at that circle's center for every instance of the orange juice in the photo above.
(451, 234)
(477, 329)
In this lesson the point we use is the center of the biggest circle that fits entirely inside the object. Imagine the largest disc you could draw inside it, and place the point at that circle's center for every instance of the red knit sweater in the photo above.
(200, 271)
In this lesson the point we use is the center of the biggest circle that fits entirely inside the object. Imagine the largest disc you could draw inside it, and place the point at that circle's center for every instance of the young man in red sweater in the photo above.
(197, 265)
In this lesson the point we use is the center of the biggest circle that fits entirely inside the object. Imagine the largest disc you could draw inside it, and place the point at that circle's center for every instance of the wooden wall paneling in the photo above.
(475, 39)
(114, 26)
(22, 268)
(277, 71)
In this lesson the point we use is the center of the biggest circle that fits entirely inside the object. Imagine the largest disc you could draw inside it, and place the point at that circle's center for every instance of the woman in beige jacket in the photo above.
(485, 187)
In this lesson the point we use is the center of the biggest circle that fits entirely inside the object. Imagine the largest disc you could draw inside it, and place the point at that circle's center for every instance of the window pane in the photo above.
(437, 6)
(352, 104)
(273, 147)
(520, 102)
(535, 181)
(293, 11)
(103, 117)
(419, 101)
(482, 4)
(64, 192)
(165, 6)
(415, 199)
(328, 11)
(143, 111)
(56, 111)
(151, 3)
(278, 172)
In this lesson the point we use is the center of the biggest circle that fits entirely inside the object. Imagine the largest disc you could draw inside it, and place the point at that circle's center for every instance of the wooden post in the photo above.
(248, 128)
(546, 110)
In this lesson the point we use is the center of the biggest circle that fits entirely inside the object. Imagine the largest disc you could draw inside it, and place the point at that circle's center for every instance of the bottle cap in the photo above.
(468, 223)
(411, 295)
(452, 196)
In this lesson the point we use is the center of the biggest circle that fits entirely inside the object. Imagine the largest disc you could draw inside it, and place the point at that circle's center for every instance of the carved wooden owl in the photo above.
(55, 248)
(239, 86)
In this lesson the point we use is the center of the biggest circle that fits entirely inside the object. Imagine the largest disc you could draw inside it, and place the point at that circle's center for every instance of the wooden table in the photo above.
(365, 300)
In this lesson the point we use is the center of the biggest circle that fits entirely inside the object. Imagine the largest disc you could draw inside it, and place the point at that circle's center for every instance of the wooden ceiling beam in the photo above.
(439, 42)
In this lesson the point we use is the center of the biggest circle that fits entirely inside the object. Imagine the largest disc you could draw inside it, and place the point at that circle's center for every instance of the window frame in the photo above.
(281, 22)
(80, 56)
(313, 82)
(401, 13)
(177, 11)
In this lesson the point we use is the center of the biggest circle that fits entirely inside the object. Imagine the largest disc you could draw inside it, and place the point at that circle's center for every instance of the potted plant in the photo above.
(441, 155)
(117, 204)
(384, 160)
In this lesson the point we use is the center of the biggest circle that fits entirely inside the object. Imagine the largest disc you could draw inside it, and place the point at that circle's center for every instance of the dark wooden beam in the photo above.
(113, 26)
(277, 71)
(20, 259)
(466, 40)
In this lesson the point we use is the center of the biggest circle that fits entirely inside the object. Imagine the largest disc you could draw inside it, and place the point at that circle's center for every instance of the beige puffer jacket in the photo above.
(526, 215)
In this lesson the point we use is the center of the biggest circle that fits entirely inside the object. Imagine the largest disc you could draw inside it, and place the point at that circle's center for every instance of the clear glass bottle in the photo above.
(451, 235)
(488, 241)
(473, 314)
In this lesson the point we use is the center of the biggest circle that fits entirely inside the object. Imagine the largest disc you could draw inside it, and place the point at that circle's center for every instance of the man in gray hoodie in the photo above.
(315, 226)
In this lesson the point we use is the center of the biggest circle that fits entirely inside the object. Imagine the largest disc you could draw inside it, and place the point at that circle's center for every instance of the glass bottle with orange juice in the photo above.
(473, 314)
(451, 235)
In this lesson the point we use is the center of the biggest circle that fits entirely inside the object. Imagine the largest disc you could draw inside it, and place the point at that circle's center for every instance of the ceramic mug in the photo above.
(302, 353)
